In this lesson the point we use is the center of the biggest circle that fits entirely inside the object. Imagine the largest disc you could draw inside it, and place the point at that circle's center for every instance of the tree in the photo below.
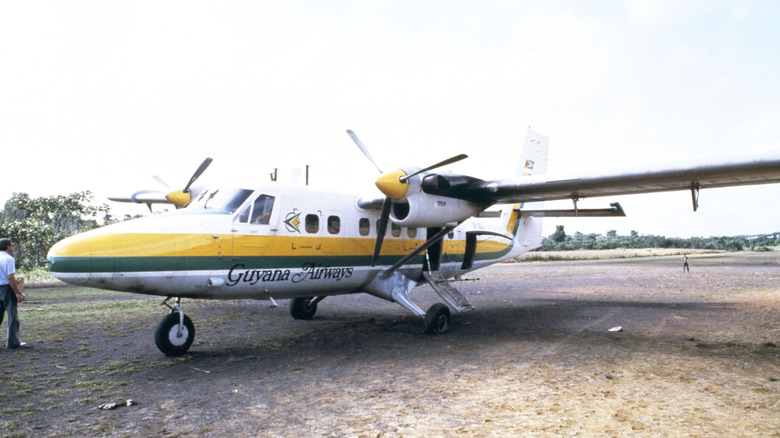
(35, 224)
(559, 235)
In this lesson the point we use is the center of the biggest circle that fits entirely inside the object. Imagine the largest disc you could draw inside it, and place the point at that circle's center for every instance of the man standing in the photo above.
(10, 294)
(685, 263)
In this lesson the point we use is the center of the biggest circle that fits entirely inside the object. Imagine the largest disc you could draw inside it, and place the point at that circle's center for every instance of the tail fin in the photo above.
(533, 161)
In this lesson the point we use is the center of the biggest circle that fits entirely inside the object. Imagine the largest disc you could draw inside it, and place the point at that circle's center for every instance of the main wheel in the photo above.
(437, 319)
(303, 308)
(169, 339)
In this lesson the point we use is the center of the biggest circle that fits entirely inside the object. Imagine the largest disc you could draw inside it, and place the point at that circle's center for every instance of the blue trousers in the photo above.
(8, 304)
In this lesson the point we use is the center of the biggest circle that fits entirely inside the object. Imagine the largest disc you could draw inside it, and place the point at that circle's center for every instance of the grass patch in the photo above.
(79, 312)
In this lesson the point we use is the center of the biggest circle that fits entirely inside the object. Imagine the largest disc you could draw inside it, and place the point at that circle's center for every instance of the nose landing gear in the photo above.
(175, 332)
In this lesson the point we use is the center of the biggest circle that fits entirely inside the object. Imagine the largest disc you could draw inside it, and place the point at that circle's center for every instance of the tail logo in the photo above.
(529, 164)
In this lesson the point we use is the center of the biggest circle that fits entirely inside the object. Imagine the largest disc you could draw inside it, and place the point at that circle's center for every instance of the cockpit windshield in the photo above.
(222, 199)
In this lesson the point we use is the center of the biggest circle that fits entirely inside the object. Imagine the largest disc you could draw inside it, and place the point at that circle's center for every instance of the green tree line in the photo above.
(560, 241)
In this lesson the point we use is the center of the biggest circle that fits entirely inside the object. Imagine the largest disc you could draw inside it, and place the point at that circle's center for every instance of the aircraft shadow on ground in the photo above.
(537, 323)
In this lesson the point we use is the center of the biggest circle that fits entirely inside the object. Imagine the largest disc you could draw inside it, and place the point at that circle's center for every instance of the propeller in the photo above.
(393, 185)
(180, 198)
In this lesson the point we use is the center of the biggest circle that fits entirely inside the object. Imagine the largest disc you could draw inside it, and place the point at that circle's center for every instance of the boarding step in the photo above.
(447, 291)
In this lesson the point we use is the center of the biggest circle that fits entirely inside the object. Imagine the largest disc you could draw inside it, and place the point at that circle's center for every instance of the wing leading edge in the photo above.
(546, 188)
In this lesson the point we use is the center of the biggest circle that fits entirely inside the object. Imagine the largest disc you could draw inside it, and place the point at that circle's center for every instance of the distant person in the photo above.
(685, 263)
(10, 294)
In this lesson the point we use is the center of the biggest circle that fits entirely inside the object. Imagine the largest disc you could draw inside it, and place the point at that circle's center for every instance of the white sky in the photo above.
(101, 95)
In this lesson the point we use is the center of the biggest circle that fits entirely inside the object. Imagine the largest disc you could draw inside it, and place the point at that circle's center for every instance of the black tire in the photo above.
(168, 339)
(303, 308)
(437, 319)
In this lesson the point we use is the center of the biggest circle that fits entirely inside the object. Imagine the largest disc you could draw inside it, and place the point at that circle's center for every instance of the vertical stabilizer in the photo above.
(533, 161)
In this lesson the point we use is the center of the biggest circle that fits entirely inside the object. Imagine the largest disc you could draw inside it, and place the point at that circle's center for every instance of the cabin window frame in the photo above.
(311, 222)
(333, 224)
(364, 226)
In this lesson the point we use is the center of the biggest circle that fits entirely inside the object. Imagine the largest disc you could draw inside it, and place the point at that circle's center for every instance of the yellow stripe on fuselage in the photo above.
(196, 245)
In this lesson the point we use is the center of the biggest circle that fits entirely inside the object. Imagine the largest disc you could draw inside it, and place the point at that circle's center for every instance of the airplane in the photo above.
(302, 243)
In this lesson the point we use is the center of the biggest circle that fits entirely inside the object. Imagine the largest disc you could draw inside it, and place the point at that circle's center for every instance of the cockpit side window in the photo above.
(259, 211)
(262, 209)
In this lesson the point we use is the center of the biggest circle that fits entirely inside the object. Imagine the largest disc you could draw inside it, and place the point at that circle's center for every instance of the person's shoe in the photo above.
(21, 345)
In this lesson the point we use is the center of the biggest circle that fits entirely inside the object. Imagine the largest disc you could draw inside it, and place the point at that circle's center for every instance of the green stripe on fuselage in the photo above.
(215, 263)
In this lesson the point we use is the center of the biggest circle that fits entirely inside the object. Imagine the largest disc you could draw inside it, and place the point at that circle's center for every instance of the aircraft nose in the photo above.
(72, 254)
(390, 184)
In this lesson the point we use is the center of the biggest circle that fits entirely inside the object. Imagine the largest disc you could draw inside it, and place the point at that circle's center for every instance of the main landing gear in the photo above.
(304, 307)
(175, 332)
(436, 319)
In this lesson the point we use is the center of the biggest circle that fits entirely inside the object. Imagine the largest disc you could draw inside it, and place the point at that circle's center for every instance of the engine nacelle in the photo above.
(428, 199)
(425, 210)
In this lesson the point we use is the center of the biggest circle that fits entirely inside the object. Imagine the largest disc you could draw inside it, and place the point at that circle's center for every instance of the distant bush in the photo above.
(37, 277)
(560, 241)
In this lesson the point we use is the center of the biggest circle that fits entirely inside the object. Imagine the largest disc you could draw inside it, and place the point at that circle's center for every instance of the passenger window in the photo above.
(312, 223)
(395, 230)
(261, 210)
(411, 232)
(334, 224)
(364, 226)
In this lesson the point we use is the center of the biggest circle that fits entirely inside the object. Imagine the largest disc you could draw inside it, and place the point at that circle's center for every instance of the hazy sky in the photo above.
(101, 95)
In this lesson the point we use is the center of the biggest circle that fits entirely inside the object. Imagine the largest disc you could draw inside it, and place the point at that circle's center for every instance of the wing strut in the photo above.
(428, 243)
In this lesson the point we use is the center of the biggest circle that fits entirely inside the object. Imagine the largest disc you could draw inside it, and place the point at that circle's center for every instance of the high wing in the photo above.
(547, 188)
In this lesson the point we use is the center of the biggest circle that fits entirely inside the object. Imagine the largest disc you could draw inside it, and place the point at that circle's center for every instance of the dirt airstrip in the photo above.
(697, 356)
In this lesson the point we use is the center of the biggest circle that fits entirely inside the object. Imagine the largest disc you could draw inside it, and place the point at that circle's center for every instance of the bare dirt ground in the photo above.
(698, 356)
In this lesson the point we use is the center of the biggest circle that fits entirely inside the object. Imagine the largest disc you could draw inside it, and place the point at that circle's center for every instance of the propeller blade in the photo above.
(359, 144)
(161, 181)
(450, 160)
(197, 173)
(381, 228)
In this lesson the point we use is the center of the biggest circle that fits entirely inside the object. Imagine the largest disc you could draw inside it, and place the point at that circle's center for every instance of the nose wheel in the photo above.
(175, 332)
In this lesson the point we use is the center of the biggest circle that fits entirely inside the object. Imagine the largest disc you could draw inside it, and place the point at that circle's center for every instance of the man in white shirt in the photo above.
(10, 294)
